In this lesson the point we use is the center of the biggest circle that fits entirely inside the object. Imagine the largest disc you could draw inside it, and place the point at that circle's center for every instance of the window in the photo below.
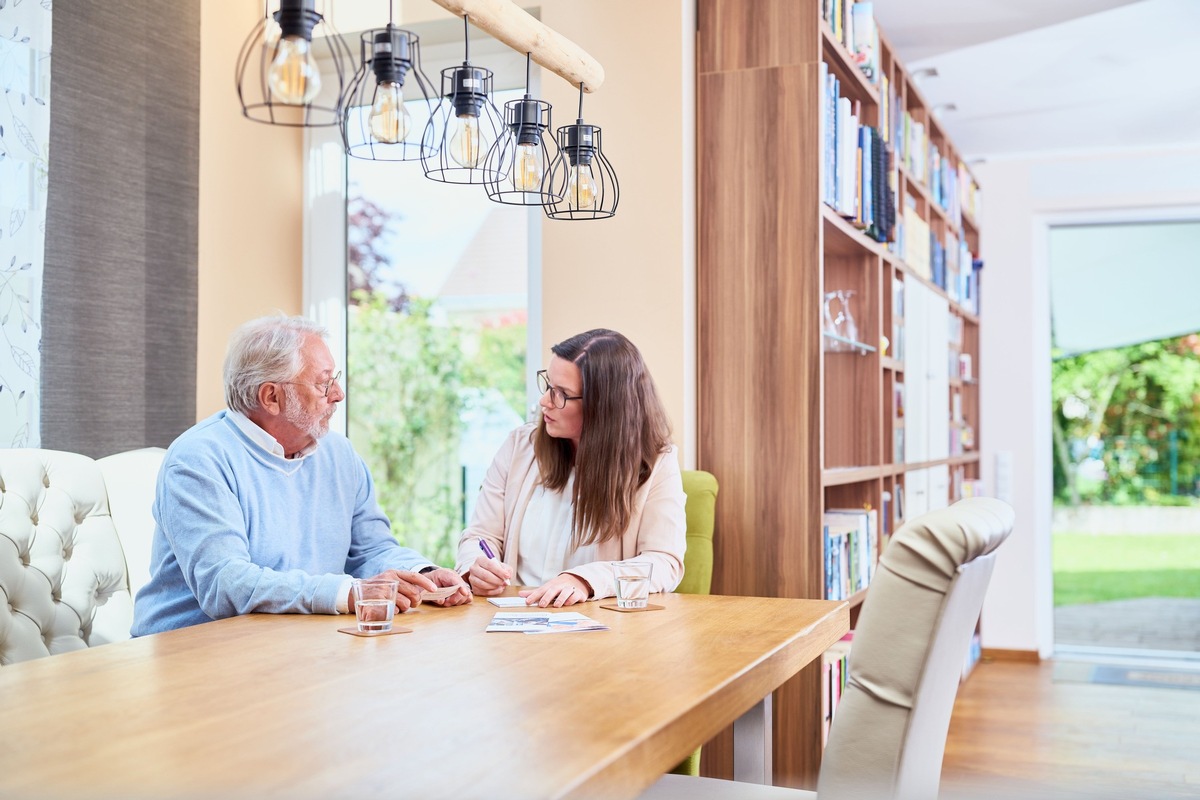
(435, 313)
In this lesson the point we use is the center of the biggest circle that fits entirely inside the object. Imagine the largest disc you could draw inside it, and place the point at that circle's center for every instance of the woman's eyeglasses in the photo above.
(557, 395)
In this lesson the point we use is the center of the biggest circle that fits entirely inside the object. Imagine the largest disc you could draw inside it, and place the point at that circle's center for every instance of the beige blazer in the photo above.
(656, 532)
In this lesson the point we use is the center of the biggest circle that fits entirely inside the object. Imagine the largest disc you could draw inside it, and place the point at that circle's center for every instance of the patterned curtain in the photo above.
(24, 149)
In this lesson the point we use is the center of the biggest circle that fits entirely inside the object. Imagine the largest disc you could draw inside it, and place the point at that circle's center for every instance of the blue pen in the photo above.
(487, 551)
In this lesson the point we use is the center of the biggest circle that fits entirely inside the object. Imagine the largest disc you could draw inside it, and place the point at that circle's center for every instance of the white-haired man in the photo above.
(259, 510)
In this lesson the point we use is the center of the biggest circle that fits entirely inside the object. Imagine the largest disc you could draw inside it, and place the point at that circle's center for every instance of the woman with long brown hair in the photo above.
(594, 480)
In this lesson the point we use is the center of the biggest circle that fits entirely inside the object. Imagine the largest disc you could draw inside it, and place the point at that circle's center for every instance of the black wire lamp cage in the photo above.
(279, 80)
(464, 125)
(517, 164)
(376, 124)
(582, 176)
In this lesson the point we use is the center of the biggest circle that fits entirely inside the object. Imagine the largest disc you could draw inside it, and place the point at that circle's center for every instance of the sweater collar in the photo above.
(265, 440)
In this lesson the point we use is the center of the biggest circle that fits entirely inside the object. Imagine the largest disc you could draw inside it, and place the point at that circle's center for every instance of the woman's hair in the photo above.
(625, 429)
(264, 350)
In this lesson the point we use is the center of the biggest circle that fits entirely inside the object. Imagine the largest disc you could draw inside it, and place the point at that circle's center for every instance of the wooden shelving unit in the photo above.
(790, 428)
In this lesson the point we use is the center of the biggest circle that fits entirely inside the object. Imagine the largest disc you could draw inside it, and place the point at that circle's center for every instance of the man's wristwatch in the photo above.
(428, 569)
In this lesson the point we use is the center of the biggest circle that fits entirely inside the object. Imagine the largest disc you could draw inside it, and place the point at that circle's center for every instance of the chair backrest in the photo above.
(64, 583)
(131, 479)
(701, 490)
(889, 731)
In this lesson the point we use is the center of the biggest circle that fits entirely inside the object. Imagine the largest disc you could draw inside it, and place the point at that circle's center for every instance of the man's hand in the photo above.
(411, 585)
(448, 577)
(565, 590)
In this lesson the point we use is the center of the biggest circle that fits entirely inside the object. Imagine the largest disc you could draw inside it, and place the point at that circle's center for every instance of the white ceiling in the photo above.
(1040, 76)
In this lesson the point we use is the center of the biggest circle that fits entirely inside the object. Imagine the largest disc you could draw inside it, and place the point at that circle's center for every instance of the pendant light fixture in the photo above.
(376, 125)
(464, 125)
(581, 175)
(279, 80)
(518, 163)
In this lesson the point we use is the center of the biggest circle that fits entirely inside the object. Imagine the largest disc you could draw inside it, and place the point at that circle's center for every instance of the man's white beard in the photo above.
(315, 424)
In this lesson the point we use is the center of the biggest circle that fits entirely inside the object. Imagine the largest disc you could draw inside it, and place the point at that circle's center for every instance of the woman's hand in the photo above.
(488, 577)
(448, 577)
(565, 590)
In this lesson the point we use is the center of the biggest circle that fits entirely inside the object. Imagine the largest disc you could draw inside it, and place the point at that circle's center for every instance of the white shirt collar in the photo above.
(263, 439)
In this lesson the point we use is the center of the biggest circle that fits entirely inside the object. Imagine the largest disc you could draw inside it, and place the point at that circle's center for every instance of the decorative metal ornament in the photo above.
(375, 123)
(279, 81)
(581, 175)
(464, 125)
(518, 163)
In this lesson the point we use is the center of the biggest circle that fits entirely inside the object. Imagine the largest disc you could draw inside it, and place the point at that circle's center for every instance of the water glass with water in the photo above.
(375, 604)
(633, 583)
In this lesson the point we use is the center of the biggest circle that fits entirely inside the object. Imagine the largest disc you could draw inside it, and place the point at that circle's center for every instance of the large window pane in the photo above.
(436, 340)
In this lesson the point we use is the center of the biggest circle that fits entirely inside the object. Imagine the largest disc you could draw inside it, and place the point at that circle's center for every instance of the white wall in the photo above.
(1022, 198)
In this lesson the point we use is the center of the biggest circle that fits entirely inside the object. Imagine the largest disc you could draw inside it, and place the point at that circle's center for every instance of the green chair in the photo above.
(701, 490)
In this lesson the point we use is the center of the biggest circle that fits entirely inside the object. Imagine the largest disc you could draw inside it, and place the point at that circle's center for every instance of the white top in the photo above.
(544, 550)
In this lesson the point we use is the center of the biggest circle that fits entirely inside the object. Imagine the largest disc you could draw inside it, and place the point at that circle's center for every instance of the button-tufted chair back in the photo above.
(64, 583)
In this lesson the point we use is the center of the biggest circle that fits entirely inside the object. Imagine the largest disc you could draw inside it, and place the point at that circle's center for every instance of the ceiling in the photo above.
(1030, 77)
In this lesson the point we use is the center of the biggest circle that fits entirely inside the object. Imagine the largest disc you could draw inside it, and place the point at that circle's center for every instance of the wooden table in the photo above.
(285, 706)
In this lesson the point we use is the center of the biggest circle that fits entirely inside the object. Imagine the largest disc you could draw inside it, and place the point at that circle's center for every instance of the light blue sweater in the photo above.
(241, 530)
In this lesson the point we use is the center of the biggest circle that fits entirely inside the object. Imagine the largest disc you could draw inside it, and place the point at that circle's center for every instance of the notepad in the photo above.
(508, 602)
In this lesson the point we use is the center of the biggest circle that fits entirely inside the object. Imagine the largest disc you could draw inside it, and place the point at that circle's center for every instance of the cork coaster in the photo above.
(356, 632)
(612, 606)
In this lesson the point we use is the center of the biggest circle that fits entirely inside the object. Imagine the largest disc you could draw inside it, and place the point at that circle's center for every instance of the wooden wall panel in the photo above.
(759, 344)
(745, 34)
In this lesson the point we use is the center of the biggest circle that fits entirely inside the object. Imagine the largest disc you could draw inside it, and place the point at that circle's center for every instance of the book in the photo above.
(857, 539)
(836, 668)
(839, 547)
(865, 47)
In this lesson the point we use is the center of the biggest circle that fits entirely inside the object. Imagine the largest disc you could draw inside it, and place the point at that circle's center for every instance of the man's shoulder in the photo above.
(204, 433)
(337, 445)
(213, 437)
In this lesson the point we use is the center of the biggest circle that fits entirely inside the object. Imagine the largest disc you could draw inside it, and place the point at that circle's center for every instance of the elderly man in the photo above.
(260, 509)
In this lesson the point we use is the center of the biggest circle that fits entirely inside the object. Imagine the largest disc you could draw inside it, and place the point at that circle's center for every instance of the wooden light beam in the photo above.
(505, 21)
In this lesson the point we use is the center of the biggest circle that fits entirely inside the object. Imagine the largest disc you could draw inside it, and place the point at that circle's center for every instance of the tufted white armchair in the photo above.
(73, 530)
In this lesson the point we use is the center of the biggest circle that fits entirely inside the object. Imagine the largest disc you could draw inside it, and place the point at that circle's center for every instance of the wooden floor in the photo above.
(1016, 732)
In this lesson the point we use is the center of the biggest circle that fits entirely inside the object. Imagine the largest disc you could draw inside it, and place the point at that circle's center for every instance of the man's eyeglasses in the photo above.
(324, 387)
(557, 395)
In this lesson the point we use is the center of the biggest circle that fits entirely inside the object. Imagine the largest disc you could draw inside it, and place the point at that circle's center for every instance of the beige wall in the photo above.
(632, 273)
(629, 272)
(250, 194)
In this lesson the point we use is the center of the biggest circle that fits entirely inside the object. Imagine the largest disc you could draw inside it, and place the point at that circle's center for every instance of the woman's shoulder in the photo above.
(519, 442)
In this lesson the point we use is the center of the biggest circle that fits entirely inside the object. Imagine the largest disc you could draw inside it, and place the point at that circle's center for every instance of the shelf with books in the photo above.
(811, 215)
(855, 83)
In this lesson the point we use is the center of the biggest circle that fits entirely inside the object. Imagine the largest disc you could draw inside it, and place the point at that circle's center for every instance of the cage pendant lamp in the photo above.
(464, 125)
(581, 175)
(518, 163)
(279, 76)
(375, 124)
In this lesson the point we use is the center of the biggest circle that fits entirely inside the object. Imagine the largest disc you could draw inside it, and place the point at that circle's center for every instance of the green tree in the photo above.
(1141, 400)
(499, 360)
(404, 386)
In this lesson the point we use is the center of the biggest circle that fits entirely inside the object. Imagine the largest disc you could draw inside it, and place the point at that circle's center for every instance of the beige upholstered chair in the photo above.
(64, 582)
(889, 732)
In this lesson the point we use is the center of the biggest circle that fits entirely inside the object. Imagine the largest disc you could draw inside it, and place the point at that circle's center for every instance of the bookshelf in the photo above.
(792, 420)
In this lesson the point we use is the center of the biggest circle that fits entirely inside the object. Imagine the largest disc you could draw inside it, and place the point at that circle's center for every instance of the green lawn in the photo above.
(1093, 568)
